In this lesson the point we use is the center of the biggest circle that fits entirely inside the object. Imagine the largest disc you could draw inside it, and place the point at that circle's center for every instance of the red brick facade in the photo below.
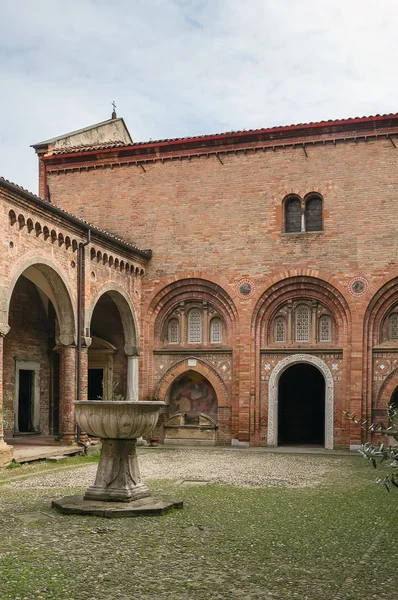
(39, 275)
(212, 211)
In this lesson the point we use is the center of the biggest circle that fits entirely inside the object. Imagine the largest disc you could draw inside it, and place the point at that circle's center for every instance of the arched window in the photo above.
(173, 331)
(302, 323)
(216, 331)
(195, 326)
(325, 329)
(313, 214)
(280, 329)
(393, 327)
(292, 215)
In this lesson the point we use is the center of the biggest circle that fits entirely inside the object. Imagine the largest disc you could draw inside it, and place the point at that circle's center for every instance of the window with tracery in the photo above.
(173, 331)
(393, 327)
(195, 326)
(302, 324)
(216, 331)
(280, 329)
(325, 328)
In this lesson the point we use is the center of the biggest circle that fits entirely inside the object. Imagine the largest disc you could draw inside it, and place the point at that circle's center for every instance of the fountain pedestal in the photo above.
(118, 490)
(118, 476)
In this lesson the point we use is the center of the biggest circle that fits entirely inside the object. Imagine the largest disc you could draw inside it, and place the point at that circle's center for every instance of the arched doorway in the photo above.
(41, 320)
(192, 410)
(273, 395)
(113, 354)
(301, 406)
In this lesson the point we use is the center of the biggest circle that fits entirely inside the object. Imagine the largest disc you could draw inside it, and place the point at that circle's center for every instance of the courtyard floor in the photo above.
(255, 525)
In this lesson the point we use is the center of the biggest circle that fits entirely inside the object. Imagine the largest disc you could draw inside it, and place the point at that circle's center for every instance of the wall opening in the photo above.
(301, 406)
(25, 401)
(96, 384)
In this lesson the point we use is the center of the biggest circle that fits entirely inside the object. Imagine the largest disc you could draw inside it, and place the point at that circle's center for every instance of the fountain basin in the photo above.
(117, 420)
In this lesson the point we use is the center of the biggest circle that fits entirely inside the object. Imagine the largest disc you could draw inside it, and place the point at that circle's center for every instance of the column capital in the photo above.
(66, 339)
(86, 342)
(4, 329)
(132, 350)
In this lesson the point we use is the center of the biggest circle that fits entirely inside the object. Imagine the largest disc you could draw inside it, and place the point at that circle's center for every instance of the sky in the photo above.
(188, 67)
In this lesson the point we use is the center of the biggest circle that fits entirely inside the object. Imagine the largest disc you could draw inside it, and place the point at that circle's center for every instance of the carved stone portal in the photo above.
(273, 388)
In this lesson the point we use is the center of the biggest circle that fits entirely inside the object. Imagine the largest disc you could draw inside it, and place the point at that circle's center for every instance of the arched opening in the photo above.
(192, 410)
(40, 314)
(107, 361)
(301, 406)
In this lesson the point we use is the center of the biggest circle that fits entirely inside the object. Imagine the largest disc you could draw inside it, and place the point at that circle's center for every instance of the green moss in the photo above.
(338, 540)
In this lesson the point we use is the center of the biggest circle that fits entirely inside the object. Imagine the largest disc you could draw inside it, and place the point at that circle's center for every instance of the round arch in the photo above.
(296, 287)
(386, 391)
(126, 311)
(273, 392)
(51, 280)
(200, 367)
(191, 289)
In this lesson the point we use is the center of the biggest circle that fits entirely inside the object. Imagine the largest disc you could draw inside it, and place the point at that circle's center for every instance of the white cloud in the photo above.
(181, 67)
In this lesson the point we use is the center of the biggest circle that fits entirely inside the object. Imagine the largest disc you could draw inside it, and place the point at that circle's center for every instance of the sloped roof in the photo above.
(280, 130)
(78, 131)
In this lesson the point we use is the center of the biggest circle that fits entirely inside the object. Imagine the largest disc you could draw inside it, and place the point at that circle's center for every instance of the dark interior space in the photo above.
(25, 401)
(95, 384)
(301, 406)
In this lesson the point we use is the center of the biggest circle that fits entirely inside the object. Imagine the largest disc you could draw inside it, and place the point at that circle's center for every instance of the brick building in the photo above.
(49, 285)
(270, 305)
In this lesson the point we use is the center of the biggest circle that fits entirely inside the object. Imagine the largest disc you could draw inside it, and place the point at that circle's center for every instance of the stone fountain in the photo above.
(118, 490)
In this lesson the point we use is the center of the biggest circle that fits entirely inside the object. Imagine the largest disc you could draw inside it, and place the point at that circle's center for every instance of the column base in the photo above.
(5, 453)
(118, 476)
(67, 439)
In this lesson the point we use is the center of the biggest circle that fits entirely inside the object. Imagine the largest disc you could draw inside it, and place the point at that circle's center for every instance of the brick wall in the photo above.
(222, 221)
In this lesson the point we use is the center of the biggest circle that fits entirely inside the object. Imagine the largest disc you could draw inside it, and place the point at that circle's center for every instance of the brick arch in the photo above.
(387, 389)
(58, 285)
(379, 306)
(301, 287)
(191, 289)
(201, 367)
(125, 308)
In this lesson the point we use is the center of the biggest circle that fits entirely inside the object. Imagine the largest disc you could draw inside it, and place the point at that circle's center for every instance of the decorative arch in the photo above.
(126, 311)
(273, 391)
(191, 289)
(378, 308)
(49, 277)
(200, 367)
(300, 287)
(386, 391)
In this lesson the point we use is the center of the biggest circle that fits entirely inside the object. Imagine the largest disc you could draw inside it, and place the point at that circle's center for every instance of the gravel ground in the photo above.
(236, 467)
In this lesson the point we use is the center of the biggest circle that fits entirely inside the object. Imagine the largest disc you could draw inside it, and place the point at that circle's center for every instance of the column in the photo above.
(183, 324)
(67, 394)
(5, 449)
(205, 324)
(290, 325)
(84, 369)
(133, 354)
(314, 321)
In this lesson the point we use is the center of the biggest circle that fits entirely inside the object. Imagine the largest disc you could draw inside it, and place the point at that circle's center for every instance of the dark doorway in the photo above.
(301, 406)
(95, 384)
(25, 401)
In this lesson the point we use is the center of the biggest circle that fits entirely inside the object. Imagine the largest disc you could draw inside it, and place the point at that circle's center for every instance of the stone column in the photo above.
(290, 325)
(67, 394)
(314, 314)
(133, 353)
(5, 449)
(183, 324)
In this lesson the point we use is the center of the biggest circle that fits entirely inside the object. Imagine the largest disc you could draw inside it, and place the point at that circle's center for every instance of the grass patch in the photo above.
(227, 543)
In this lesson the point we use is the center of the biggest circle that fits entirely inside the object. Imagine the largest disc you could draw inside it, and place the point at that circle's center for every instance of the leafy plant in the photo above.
(379, 453)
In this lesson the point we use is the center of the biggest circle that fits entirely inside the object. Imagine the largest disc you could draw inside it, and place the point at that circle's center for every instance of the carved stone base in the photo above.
(145, 507)
(118, 476)
(5, 453)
